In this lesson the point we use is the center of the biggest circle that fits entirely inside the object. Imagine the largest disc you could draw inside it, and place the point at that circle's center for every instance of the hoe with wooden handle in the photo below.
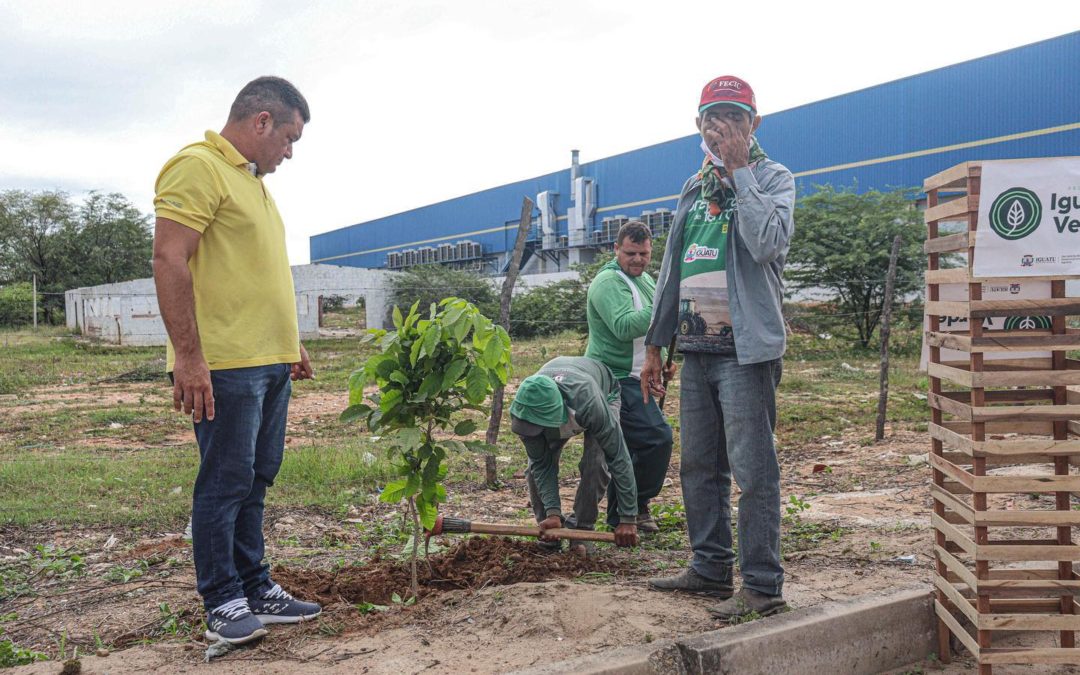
(445, 525)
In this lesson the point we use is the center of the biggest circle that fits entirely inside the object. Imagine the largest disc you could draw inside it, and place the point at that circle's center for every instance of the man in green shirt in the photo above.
(619, 311)
(568, 395)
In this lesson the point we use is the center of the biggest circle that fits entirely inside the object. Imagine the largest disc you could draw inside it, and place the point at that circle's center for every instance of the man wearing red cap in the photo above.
(720, 290)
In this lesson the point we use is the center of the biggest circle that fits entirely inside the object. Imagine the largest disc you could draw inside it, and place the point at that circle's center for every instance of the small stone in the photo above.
(102, 652)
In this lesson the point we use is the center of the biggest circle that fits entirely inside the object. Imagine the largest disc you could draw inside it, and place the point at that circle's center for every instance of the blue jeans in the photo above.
(241, 451)
(728, 414)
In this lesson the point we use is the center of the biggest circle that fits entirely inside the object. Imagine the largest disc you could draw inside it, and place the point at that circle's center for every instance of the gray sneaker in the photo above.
(234, 623)
(690, 581)
(746, 603)
(647, 524)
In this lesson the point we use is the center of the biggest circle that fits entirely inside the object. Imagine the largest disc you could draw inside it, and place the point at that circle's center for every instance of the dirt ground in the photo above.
(857, 523)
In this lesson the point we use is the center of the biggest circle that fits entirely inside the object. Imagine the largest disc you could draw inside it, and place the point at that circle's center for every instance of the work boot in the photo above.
(690, 581)
(747, 603)
(646, 524)
(583, 549)
(549, 546)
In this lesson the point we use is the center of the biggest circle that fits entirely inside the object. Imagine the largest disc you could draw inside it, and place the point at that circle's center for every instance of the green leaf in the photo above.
(394, 492)
(493, 353)
(400, 377)
(389, 400)
(414, 353)
(431, 384)
(431, 338)
(464, 428)
(461, 327)
(412, 485)
(398, 321)
(409, 438)
(427, 512)
(476, 385)
(453, 372)
(385, 368)
(431, 471)
(354, 412)
(440, 493)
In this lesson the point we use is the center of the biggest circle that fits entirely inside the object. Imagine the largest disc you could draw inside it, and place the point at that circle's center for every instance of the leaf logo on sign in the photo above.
(1015, 213)
(1028, 323)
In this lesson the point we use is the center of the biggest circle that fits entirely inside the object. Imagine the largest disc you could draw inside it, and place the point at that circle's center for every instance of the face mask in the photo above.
(715, 160)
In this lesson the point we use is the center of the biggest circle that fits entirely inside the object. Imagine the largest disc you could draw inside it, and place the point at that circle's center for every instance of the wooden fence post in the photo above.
(490, 474)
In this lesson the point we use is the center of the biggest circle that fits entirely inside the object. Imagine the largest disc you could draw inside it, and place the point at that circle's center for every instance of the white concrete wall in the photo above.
(127, 313)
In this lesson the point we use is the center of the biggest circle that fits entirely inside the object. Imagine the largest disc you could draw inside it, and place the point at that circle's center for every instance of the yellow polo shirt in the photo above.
(245, 304)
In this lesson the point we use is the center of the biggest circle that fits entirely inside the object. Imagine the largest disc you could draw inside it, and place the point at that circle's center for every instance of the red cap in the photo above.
(728, 89)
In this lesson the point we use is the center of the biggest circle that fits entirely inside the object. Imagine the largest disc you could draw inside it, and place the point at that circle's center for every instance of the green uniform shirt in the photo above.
(587, 386)
(616, 328)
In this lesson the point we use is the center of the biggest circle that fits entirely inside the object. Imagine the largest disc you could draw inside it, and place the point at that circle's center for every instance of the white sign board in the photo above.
(1015, 290)
(1029, 219)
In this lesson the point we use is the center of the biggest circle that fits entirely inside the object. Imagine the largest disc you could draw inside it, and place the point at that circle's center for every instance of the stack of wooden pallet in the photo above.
(1005, 429)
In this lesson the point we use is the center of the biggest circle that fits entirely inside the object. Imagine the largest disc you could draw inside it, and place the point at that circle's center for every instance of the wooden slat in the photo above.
(1002, 484)
(952, 209)
(948, 308)
(1003, 396)
(953, 177)
(948, 341)
(997, 655)
(980, 309)
(945, 404)
(1004, 341)
(951, 502)
(954, 535)
(956, 629)
(1014, 427)
(1025, 412)
(1048, 447)
(948, 244)
(955, 375)
(953, 471)
(954, 440)
(955, 275)
(1026, 378)
(1007, 552)
(1024, 606)
(962, 603)
(1031, 518)
(953, 564)
(1029, 588)
(1029, 622)
(1024, 573)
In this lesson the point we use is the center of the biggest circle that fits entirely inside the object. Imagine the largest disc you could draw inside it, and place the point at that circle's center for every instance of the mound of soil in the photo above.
(474, 563)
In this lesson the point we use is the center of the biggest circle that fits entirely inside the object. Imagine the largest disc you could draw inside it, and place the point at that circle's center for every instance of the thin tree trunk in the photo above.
(490, 474)
(886, 317)
(415, 545)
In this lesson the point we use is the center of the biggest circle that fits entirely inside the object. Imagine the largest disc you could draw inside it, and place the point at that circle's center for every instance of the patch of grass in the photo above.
(123, 416)
(53, 358)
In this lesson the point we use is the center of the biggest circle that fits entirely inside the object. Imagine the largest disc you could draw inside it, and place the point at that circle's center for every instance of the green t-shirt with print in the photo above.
(704, 314)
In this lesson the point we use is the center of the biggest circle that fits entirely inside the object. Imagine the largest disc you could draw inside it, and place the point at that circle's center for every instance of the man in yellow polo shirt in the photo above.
(226, 295)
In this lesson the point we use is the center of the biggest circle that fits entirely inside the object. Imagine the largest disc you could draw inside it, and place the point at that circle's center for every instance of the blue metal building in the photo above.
(1024, 102)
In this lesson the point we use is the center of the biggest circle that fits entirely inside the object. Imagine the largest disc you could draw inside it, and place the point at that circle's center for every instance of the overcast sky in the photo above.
(416, 101)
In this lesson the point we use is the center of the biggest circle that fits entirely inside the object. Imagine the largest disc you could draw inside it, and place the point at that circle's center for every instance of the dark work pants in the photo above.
(648, 437)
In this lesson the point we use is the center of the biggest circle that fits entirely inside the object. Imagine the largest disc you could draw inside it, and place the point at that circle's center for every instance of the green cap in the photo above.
(538, 401)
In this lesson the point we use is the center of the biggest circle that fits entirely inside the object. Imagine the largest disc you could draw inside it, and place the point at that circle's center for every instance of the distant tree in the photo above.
(16, 304)
(36, 231)
(842, 242)
(113, 239)
(431, 283)
(105, 239)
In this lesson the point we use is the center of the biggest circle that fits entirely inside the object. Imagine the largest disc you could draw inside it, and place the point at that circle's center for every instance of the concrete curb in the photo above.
(866, 635)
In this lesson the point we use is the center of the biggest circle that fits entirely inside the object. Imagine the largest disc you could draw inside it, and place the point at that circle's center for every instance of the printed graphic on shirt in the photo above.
(704, 314)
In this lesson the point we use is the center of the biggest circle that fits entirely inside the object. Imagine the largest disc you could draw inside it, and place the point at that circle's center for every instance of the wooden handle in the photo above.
(663, 373)
(534, 531)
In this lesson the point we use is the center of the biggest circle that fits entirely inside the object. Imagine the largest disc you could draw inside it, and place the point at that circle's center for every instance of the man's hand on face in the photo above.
(726, 131)
(626, 534)
(193, 392)
(550, 523)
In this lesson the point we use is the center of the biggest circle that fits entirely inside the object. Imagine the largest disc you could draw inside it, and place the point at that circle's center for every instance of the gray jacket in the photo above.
(758, 243)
